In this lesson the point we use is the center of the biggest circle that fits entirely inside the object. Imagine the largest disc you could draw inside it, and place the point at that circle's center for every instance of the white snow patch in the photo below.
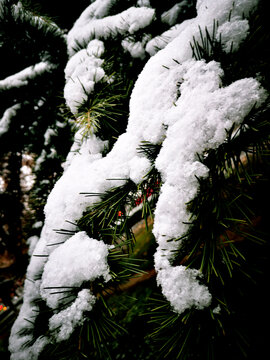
(79, 259)
(159, 42)
(48, 135)
(232, 33)
(21, 78)
(89, 25)
(135, 48)
(217, 310)
(42, 157)
(32, 242)
(21, 352)
(7, 118)
(64, 322)
(145, 3)
(139, 167)
(180, 286)
(83, 70)
(37, 225)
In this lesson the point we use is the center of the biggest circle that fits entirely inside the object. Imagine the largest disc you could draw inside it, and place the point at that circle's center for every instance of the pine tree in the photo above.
(155, 237)
(33, 54)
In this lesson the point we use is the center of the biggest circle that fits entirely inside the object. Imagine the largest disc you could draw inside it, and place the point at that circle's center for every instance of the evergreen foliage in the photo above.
(61, 12)
(227, 237)
(33, 55)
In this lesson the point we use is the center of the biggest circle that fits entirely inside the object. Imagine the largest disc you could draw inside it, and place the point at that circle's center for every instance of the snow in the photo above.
(81, 72)
(27, 178)
(7, 118)
(202, 127)
(22, 77)
(17, 343)
(84, 68)
(60, 204)
(139, 167)
(64, 322)
(135, 48)
(29, 353)
(32, 242)
(95, 24)
(159, 42)
(37, 225)
(217, 310)
(2, 184)
(183, 290)
(48, 135)
(176, 101)
(145, 3)
(40, 159)
(232, 33)
(79, 259)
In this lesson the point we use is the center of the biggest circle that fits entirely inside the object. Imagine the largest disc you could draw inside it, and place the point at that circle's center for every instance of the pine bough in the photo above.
(178, 102)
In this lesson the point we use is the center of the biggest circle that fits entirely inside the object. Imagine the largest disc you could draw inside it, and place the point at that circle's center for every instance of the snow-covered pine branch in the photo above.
(22, 77)
(177, 101)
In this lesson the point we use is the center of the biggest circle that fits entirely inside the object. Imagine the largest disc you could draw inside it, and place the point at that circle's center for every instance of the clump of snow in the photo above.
(89, 25)
(135, 48)
(2, 184)
(180, 286)
(22, 77)
(97, 10)
(145, 3)
(234, 30)
(7, 118)
(83, 70)
(32, 242)
(48, 135)
(79, 259)
(232, 33)
(202, 127)
(60, 205)
(63, 323)
(20, 352)
(37, 224)
(25, 320)
(27, 178)
(217, 310)
(94, 49)
(40, 160)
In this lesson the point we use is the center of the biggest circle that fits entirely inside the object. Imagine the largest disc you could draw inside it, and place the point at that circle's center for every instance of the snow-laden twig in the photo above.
(22, 77)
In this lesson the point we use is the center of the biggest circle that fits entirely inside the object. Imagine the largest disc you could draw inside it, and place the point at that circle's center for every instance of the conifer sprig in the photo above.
(101, 112)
